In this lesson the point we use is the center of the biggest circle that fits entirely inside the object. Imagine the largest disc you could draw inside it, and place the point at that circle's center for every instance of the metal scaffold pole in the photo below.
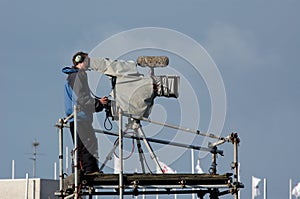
(61, 172)
(236, 140)
(120, 154)
(76, 152)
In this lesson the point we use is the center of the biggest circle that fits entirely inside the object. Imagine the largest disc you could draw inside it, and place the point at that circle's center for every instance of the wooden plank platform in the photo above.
(160, 180)
(138, 184)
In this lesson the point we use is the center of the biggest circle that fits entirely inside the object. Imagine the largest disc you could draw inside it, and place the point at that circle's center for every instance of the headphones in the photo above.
(79, 59)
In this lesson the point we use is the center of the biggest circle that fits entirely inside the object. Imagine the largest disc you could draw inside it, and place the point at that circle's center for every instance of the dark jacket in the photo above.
(77, 92)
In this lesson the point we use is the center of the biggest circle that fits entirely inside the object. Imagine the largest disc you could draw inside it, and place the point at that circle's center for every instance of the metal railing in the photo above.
(212, 148)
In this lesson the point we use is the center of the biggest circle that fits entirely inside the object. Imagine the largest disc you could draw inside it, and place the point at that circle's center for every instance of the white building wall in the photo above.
(36, 188)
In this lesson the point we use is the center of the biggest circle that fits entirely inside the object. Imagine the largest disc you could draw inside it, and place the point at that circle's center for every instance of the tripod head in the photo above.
(133, 123)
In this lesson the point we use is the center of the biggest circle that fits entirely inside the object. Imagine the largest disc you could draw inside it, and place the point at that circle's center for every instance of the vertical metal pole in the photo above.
(120, 154)
(236, 141)
(290, 189)
(76, 152)
(193, 167)
(193, 161)
(265, 188)
(13, 169)
(34, 163)
(252, 188)
(33, 189)
(54, 177)
(60, 156)
(213, 168)
(67, 160)
(26, 186)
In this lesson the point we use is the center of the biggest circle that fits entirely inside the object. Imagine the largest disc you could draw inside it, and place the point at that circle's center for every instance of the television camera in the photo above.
(132, 91)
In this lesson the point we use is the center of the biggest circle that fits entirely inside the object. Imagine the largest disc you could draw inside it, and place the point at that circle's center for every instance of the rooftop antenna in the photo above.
(35, 144)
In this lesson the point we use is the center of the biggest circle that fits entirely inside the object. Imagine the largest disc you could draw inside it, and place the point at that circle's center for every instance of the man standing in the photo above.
(77, 92)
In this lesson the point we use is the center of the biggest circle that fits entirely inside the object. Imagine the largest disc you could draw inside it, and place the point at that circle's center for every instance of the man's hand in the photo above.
(103, 100)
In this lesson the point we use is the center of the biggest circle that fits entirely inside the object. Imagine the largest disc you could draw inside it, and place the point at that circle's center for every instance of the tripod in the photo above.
(135, 125)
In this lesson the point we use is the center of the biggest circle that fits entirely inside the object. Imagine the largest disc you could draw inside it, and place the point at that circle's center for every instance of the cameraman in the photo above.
(77, 92)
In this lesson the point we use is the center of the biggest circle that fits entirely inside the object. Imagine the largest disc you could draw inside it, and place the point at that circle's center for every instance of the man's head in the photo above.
(79, 60)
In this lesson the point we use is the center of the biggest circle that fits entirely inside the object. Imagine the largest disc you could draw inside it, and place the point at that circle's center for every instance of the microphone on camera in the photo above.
(153, 61)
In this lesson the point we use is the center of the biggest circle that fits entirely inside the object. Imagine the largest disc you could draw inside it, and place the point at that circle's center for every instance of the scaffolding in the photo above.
(77, 184)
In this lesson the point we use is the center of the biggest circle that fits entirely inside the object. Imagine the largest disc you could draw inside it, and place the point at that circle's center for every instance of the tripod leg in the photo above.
(109, 156)
(153, 156)
(140, 150)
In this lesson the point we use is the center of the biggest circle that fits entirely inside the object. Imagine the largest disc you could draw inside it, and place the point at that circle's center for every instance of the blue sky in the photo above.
(255, 45)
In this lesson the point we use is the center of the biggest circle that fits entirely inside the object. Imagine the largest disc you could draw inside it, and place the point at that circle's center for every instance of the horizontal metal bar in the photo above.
(163, 142)
(197, 132)
(136, 192)
(203, 186)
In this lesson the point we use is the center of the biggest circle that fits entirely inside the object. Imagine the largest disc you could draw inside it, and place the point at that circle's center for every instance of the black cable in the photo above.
(132, 149)
(110, 123)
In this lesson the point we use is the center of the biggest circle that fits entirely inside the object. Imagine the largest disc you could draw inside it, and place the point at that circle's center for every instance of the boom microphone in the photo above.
(153, 61)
